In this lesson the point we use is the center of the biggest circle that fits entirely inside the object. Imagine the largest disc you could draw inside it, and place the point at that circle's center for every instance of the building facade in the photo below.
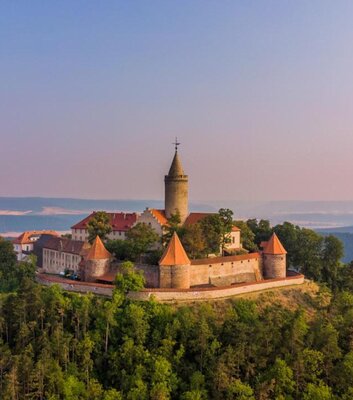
(24, 244)
(61, 254)
(119, 221)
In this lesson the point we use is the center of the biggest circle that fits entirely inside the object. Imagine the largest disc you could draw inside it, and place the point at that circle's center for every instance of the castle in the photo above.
(175, 270)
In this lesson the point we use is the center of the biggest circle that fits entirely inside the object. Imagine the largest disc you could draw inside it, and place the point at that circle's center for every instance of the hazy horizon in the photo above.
(260, 94)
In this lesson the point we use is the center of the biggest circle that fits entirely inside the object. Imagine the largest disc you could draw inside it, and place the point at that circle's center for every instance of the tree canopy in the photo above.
(99, 225)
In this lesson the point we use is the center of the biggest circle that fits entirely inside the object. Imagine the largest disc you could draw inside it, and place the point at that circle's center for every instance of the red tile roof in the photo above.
(159, 215)
(98, 251)
(274, 246)
(174, 253)
(195, 217)
(119, 221)
(25, 237)
(67, 246)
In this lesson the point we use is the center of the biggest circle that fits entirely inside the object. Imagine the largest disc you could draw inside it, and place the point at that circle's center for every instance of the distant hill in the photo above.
(341, 229)
(18, 214)
(345, 234)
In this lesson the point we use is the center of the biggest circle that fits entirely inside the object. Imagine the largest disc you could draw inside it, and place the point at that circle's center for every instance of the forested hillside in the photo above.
(292, 344)
(57, 345)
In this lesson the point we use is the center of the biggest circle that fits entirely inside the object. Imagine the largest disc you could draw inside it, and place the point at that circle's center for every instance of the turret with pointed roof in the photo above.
(98, 250)
(274, 246)
(174, 266)
(97, 262)
(174, 253)
(274, 258)
(176, 189)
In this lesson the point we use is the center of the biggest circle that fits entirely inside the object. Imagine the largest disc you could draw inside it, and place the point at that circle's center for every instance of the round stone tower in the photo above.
(274, 259)
(176, 190)
(174, 266)
(97, 261)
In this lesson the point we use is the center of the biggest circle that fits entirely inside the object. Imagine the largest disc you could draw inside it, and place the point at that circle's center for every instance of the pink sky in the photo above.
(259, 93)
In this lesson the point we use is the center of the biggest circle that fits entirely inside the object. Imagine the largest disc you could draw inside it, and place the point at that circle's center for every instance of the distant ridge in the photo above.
(18, 214)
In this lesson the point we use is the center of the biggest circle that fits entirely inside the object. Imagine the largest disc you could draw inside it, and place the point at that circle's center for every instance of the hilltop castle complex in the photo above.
(175, 270)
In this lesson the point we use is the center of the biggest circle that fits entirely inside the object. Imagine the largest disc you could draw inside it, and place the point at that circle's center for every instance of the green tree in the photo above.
(13, 273)
(99, 225)
(216, 230)
(128, 278)
(308, 254)
(226, 218)
(280, 383)
(332, 253)
(8, 262)
(193, 241)
(261, 229)
(318, 392)
(247, 236)
(142, 239)
(112, 394)
(173, 225)
(238, 390)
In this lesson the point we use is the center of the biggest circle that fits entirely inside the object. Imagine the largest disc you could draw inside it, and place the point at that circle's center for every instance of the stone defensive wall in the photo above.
(217, 271)
(193, 294)
(226, 271)
(171, 295)
(75, 286)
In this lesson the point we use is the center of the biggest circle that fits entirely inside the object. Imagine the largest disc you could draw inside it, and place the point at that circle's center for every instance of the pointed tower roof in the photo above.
(174, 253)
(274, 246)
(176, 169)
(98, 251)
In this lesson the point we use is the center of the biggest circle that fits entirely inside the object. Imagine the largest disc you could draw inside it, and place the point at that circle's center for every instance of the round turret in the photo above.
(174, 266)
(97, 262)
(274, 259)
(176, 190)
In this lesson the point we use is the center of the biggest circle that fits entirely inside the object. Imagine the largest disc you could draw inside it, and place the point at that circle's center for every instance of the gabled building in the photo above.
(120, 222)
(60, 254)
(24, 244)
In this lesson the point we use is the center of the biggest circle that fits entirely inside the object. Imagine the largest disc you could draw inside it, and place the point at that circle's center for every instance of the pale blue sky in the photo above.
(260, 93)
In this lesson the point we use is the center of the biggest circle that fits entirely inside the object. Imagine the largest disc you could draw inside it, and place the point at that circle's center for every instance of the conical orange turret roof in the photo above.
(98, 251)
(176, 168)
(174, 253)
(274, 246)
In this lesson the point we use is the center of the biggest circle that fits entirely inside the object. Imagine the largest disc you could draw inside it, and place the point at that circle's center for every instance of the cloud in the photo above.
(61, 211)
(17, 234)
(14, 212)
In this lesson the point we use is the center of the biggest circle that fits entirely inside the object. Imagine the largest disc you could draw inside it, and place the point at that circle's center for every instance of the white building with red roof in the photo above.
(24, 244)
(120, 222)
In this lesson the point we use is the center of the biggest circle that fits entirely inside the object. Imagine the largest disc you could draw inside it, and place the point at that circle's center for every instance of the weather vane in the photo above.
(176, 143)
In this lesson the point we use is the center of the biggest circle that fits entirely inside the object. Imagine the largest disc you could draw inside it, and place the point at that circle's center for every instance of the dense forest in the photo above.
(290, 344)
